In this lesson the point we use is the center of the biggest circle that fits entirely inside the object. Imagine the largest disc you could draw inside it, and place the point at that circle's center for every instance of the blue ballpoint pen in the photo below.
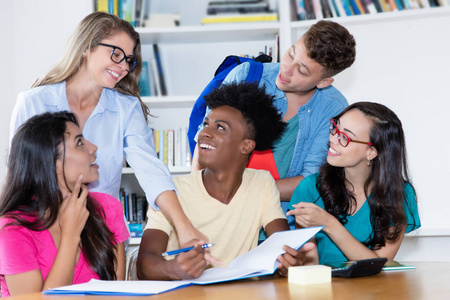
(175, 252)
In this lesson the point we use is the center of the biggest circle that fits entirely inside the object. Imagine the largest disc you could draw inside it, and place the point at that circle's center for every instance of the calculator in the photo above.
(358, 268)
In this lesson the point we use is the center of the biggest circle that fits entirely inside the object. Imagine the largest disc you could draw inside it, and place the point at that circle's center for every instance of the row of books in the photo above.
(270, 49)
(133, 11)
(319, 9)
(151, 80)
(222, 11)
(135, 210)
(172, 147)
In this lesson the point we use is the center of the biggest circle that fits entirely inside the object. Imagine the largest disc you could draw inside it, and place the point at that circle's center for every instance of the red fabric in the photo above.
(264, 160)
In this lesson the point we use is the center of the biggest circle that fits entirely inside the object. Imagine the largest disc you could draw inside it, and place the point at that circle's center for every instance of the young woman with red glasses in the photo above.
(97, 80)
(362, 194)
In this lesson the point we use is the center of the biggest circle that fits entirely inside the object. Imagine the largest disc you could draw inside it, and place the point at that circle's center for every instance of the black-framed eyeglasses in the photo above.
(118, 56)
(343, 139)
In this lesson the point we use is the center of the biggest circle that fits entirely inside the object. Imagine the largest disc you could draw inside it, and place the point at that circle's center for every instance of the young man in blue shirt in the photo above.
(304, 96)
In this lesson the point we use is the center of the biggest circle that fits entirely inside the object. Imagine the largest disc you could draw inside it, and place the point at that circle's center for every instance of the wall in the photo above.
(27, 53)
(401, 62)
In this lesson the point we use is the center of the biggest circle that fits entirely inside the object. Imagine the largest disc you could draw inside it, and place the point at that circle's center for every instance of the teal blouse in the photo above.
(284, 147)
(358, 225)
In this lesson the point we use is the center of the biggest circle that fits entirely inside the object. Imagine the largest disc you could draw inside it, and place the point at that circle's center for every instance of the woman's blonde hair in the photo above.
(93, 29)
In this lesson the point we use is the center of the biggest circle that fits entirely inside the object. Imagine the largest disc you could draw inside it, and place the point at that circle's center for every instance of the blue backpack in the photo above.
(230, 62)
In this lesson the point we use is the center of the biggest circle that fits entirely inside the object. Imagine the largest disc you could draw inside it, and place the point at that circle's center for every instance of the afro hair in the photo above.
(264, 124)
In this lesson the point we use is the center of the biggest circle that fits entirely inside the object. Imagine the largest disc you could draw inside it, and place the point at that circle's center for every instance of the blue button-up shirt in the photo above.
(116, 126)
(314, 118)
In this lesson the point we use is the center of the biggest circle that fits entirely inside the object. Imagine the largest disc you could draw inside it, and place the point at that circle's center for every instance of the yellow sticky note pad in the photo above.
(309, 274)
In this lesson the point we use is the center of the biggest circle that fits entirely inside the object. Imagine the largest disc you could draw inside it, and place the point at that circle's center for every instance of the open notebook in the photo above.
(259, 261)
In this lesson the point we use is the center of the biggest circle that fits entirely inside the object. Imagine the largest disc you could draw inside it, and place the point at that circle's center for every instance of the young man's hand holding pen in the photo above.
(190, 262)
(178, 251)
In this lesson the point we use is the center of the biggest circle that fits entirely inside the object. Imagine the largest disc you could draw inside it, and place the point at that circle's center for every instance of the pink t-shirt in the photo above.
(23, 250)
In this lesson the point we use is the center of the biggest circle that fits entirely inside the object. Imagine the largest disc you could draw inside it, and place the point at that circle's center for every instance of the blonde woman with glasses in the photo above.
(97, 80)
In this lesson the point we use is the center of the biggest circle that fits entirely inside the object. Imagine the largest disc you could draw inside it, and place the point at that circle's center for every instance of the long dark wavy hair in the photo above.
(386, 181)
(31, 195)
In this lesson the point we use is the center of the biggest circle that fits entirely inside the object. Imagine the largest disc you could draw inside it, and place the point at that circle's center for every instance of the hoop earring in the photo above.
(368, 162)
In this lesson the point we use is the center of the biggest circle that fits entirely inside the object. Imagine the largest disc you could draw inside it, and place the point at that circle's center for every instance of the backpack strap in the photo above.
(255, 72)
(261, 160)
(199, 109)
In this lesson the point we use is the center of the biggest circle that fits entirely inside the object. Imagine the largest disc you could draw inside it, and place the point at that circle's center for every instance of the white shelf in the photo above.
(430, 232)
(127, 171)
(422, 232)
(170, 101)
(209, 33)
(378, 17)
(297, 28)
(173, 170)
(180, 170)
(135, 241)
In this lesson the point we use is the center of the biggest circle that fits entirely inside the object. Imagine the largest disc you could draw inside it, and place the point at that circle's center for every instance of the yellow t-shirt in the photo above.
(233, 228)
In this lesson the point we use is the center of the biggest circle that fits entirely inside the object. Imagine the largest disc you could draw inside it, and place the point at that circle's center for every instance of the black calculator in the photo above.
(358, 268)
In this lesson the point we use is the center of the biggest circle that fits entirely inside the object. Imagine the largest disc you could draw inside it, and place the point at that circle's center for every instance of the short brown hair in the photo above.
(331, 45)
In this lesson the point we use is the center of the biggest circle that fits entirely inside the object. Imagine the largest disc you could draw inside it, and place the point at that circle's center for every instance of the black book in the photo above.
(237, 7)
(162, 82)
(309, 10)
(377, 5)
(326, 9)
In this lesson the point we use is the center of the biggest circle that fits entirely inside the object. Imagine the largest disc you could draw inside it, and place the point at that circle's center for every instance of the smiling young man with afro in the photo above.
(225, 201)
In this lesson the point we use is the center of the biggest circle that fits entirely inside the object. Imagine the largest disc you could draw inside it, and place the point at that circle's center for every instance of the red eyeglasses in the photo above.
(343, 139)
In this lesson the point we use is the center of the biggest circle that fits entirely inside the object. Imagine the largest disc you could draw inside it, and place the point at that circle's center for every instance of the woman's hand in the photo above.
(170, 206)
(72, 218)
(188, 233)
(73, 213)
(309, 214)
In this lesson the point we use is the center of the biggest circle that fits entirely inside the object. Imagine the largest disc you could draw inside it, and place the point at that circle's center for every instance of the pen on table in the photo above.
(175, 252)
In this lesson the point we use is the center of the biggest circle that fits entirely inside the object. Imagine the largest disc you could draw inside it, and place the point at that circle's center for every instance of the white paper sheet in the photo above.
(261, 260)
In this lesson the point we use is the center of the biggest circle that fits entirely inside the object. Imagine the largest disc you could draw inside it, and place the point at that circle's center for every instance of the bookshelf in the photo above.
(191, 54)
(190, 70)
(421, 61)
(210, 44)
(402, 61)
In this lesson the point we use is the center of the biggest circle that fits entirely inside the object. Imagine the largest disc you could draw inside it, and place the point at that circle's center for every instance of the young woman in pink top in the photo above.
(53, 232)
